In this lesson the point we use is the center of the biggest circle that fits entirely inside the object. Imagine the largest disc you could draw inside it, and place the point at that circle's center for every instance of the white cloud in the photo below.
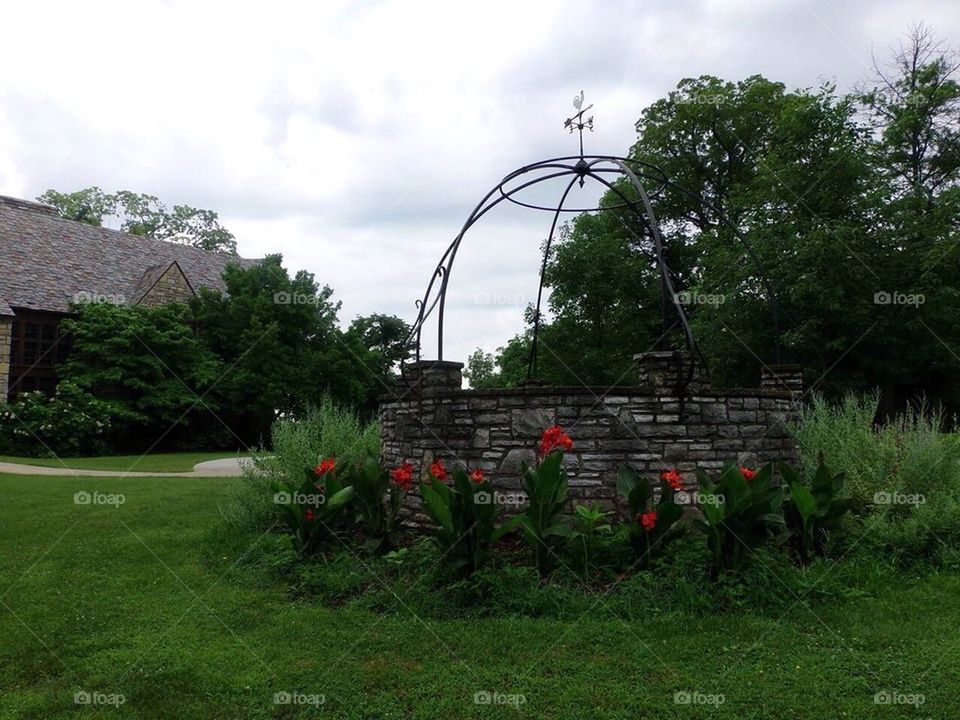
(356, 137)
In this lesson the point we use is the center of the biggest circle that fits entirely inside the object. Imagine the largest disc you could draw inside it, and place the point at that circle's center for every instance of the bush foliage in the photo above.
(72, 423)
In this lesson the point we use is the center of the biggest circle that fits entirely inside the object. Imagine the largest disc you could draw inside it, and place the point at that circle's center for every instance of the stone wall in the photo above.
(647, 426)
(171, 287)
(6, 335)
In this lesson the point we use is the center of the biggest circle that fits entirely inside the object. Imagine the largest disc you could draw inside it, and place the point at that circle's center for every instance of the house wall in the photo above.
(647, 426)
(172, 287)
(6, 327)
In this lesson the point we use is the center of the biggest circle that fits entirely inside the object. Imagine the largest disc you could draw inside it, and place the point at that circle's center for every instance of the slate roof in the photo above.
(46, 261)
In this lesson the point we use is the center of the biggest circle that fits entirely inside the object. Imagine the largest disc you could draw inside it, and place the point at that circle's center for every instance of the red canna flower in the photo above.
(308, 515)
(748, 474)
(673, 477)
(554, 438)
(326, 465)
(438, 470)
(648, 520)
(477, 476)
(402, 476)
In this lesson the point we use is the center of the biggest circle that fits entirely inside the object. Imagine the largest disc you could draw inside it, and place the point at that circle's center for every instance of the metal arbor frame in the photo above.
(576, 169)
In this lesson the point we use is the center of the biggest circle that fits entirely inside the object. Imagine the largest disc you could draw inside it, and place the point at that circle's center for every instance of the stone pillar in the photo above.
(668, 370)
(431, 376)
(783, 377)
(6, 337)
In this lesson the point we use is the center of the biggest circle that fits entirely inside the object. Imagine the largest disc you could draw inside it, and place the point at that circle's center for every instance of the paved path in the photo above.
(225, 467)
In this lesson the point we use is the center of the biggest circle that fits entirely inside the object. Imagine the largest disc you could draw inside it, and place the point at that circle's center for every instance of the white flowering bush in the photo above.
(70, 423)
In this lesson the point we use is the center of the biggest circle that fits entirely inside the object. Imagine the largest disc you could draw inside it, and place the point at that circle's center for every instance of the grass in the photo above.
(129, 600)
(159, 462)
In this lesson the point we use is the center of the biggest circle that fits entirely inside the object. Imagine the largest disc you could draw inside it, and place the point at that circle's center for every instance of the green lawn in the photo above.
(119, 600)
(160, 462)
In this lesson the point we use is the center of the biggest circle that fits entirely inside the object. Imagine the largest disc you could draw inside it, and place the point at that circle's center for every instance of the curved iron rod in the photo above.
(646, 170)
(476, 215)
(455, 247)
(662, 266)
(765, 278)
(532, 362)
(768, 286)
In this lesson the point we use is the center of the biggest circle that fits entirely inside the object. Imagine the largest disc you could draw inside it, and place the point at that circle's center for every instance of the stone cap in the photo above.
(431, 364)
(605, 391)
(669, 370)
(431, 376)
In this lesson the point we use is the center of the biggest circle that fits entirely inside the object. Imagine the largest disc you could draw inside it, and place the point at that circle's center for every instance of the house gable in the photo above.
(171, 286)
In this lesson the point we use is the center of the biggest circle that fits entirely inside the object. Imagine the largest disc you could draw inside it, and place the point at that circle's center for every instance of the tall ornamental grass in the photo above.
(910, 453)
(904, 474)
(327, 430)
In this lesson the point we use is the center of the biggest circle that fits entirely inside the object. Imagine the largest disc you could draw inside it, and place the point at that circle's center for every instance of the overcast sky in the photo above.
(355, 137)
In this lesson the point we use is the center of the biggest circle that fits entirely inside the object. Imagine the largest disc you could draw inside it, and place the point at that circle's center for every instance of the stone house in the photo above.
(47, 263)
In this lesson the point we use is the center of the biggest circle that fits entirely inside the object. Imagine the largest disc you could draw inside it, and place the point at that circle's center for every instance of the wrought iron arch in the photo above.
(577, 169)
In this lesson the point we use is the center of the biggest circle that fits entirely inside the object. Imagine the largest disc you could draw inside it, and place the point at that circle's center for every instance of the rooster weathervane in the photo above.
(577, 122)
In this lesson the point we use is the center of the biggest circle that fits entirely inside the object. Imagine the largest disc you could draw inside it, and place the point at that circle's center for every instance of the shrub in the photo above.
(378, 500)
(810, 512)
(903, 475)
(147, 365)
(465, 517)
(650, 525)
(749, 513)
(71, 423)
(542, 522)
(317, 509)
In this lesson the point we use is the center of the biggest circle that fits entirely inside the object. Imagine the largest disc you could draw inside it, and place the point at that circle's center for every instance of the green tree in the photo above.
(378, 344)
(147, 367)
(914, 101)
(481, 370)
(277, 337)
(744, 152)
(914, 116)
(383, 337)
(89, 206)
(145, 215)
(838, 212)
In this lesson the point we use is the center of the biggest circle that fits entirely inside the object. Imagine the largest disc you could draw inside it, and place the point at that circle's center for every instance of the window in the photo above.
(37, 346)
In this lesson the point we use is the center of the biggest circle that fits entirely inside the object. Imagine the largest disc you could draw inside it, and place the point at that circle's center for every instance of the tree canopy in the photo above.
(218, 372)
(146, 215)
(850, 203)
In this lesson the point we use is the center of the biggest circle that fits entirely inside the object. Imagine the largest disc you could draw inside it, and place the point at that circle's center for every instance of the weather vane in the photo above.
(577, 122)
